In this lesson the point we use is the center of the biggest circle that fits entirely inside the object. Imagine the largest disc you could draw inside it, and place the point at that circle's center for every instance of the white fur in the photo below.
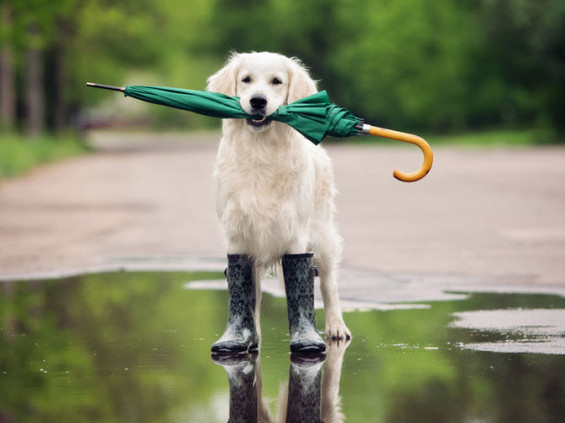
(275, 190)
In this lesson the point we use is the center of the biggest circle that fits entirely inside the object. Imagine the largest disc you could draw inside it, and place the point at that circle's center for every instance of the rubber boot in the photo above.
(299, 284)
(240, 334)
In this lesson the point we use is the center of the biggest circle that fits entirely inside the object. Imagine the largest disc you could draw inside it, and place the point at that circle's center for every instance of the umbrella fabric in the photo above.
(202, 102)
(313, 116)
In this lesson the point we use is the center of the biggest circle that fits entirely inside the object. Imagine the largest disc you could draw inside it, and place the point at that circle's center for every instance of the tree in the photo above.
(7, 71)
(34, 98)
(527, 47)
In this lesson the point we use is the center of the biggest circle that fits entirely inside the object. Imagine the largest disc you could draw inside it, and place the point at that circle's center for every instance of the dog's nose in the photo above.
(258, 102)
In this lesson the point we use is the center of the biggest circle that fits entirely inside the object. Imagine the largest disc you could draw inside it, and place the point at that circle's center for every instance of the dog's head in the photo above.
(263, 81)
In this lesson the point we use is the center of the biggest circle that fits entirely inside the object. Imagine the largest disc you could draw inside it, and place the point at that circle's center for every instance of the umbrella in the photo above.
(313, 116)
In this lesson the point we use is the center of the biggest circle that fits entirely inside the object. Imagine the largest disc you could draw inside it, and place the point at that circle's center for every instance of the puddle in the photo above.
(134, 347)
(520, 330)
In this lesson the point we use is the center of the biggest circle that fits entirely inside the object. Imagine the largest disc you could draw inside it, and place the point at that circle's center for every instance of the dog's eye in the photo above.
(246, 80)
(276, 81)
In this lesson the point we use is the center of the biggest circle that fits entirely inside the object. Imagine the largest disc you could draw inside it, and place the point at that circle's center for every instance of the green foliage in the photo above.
(424, 65)
(486, 138)
(527, 49)
(500, 137)
(412, 60)
(19, 154)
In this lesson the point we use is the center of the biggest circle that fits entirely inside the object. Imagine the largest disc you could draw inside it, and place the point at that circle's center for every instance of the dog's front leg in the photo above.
(335, 325)
(258, 296)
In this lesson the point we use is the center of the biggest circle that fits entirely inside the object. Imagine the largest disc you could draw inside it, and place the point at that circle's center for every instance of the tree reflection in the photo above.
(134, 347)
(102, 347)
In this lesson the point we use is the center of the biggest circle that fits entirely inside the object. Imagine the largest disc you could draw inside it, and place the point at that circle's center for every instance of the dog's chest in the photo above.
(264, 184)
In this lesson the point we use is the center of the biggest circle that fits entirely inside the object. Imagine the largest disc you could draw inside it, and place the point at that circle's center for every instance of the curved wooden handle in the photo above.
(412, 139)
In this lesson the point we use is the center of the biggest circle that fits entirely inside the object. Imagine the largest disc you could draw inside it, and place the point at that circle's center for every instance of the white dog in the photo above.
(275, 190)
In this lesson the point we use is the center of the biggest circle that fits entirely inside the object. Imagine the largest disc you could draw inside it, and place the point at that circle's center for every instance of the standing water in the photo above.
(135, 347)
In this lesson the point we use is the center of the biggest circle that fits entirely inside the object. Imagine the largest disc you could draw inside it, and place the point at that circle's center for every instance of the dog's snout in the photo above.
(258, 102)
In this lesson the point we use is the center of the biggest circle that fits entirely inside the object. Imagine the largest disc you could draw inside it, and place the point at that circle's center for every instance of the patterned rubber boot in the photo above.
(240, 335)
(241, 372)
(299, 284)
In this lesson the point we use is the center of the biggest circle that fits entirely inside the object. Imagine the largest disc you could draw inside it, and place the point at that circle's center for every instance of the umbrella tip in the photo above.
(106, 87)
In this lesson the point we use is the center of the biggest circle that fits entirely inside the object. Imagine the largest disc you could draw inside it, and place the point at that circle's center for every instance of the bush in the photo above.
(19, 154)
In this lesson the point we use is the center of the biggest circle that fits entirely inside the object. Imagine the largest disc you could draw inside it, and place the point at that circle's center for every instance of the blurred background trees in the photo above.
(426, 65)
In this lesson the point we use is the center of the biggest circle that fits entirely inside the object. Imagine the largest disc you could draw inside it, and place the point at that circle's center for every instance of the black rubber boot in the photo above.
(299, 284)
(240, 334)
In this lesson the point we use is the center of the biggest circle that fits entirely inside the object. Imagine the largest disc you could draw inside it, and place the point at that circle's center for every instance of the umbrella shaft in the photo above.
(363, 128)
(106, 87)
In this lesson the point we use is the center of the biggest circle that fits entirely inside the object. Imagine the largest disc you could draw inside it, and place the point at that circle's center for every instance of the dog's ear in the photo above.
(300, 84)
(224, 81)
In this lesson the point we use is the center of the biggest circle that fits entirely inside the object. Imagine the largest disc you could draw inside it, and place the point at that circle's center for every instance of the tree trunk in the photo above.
(7, 77)
(35, 118)
(59, 104)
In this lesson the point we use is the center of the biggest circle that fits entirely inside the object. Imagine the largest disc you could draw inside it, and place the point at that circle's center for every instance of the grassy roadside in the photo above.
(19, 154)
(499, 138)
(483, 139)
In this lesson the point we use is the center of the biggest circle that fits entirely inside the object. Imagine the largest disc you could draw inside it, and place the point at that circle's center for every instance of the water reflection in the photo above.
(304, 399)
(304, 390)
(242, 377)
(135, 347)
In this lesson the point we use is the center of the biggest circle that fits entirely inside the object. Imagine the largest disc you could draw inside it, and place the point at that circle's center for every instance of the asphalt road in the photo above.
(489, 217)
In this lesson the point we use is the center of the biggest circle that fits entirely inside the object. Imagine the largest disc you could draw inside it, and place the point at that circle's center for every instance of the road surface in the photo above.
(494, 215)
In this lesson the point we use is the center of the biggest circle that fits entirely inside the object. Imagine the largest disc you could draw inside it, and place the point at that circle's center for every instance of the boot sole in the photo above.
(308, 349)
(234, 358)
(236, 349)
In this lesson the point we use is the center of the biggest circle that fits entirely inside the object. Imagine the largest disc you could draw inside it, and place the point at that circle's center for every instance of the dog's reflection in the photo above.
(309, 396)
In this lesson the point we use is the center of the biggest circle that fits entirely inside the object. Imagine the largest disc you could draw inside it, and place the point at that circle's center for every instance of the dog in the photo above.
(275, 189)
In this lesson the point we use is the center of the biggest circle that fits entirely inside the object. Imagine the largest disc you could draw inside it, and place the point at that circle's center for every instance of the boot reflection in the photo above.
(304, 389)
(311, 396)
(241, 370)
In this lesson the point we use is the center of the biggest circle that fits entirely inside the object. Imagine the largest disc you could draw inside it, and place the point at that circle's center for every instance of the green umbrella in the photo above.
(313, 116)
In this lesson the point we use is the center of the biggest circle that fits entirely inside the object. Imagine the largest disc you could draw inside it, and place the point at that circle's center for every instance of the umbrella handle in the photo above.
(409, 138)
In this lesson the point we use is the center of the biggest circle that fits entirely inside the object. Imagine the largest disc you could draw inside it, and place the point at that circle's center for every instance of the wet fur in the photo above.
(275, 190)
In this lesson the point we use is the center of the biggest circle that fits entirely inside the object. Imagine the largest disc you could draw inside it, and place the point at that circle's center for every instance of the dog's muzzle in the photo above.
(258, 104)
(259, 123)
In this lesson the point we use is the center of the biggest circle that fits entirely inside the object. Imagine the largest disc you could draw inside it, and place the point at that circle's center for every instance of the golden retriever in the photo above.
(275, 189)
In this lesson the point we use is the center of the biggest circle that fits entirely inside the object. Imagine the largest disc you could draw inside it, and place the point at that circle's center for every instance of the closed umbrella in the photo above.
(313, 116)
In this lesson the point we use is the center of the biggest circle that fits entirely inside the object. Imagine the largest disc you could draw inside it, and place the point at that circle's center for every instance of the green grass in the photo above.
(19, 154)
(490, 138)
(498, 137)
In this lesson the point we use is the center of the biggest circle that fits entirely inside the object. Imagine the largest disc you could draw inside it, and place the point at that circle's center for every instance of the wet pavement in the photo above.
(492, 212)
(135, 347)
